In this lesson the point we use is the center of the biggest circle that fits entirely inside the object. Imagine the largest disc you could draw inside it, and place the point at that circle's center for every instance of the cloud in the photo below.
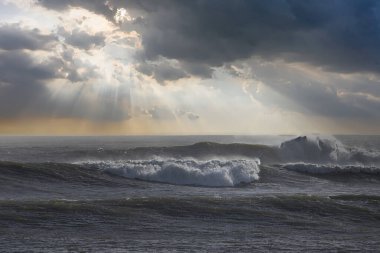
(336, 43)
(189, 115)
(96, 6)
(160, 113)
(27, 78)
(19, 68)
(13, 37)
(83, 40)
(213, 32)
(192, 116)
(325, 94)
(161, 71)
(73, 68)
(25, 92)
(22, 83)
(367, 102)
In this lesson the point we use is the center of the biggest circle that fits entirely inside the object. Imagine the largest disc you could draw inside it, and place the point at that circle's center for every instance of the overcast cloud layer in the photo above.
(338, 35)
(165, 61)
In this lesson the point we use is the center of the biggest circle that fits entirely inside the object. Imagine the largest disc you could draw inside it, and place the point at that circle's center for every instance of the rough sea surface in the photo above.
(190, 194)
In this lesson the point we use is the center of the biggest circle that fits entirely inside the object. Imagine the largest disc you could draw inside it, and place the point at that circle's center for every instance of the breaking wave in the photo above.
(314, 149)
(201, 164)
(308, 149)
(214, 173)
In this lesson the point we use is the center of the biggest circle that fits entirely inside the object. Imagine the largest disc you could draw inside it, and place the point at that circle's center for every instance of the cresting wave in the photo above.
(201, 164)
(214, 173)
(308, 149)
(314, 149)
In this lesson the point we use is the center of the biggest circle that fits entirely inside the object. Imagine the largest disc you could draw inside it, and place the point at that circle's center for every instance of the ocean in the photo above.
(190, 194)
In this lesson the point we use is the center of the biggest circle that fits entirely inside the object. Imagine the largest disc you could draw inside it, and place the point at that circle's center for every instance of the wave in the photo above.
(299, 149)
(357, 197)
(214, 173)
(27, 173)
(302, 222)
(313, 149)
(201, 164)
(310, 148)
(363, 207)
(207, 151)
(332, 169)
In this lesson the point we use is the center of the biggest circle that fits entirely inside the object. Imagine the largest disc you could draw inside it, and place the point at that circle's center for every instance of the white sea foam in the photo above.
(314, 148)
(326, 150)
(217, 173)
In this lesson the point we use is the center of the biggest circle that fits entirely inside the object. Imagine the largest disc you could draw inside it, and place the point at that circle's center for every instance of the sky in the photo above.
(148, 67)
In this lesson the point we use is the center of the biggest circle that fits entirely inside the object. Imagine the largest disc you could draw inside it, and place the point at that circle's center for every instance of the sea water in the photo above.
(190, 193)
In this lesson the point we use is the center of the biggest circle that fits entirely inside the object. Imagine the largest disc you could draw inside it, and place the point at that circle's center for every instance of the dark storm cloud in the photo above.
(23, 88)
(24, 91)
(162, 71)
(19, 68)
(13, 37)
(337, 35)
(96, 6)
(26, 73)
(83, 40)
(21, 83)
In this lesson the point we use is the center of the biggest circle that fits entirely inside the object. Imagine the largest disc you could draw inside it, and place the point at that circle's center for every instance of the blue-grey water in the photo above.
(190, 194)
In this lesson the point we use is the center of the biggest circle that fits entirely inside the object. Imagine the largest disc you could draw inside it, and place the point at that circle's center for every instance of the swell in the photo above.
(52, 172)
(301, 149)
(209, 173)
(201, 150)
(201, 164)
(351, 207)
(335, 170)
(207, 150)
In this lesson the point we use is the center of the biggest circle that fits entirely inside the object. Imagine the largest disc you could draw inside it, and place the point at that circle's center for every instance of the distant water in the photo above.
(190, 193)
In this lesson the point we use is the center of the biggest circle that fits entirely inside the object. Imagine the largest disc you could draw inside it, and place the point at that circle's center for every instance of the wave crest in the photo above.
(310, 148)
(215, 173)
(330, 169)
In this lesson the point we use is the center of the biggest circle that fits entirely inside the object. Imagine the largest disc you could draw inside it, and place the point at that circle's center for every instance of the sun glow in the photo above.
(122, 15)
